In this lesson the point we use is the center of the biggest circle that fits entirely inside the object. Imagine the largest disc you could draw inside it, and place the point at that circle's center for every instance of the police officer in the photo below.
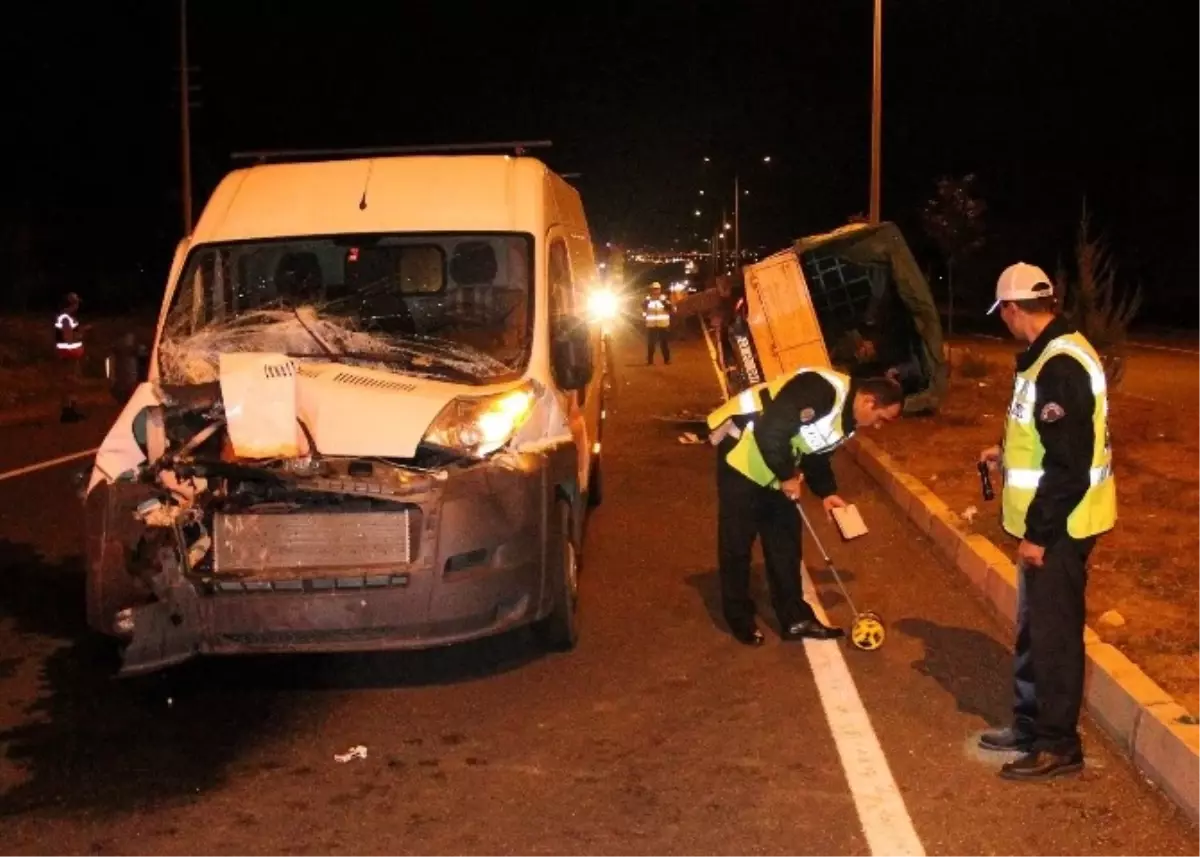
(656, 310)
(68, 349)
(1058, 496)
(770, 438)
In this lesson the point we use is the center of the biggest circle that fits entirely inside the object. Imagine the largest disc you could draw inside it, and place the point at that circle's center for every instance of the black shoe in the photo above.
(746, 633)
(811, 629)
(1041, 765)
(1007, 740)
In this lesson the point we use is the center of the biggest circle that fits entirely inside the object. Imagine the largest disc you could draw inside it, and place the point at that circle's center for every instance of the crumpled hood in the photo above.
(345, 410)
(271, 401)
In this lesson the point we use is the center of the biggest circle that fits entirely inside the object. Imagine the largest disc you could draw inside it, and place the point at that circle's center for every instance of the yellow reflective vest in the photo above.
(656, 313)
(1023, 450)
(823, 433)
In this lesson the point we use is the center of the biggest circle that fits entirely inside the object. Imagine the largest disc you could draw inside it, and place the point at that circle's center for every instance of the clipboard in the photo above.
(849, 522)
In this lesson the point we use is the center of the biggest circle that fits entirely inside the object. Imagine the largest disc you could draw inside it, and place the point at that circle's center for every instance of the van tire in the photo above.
(559, 631)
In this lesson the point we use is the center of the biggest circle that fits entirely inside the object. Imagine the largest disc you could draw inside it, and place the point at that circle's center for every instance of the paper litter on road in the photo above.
(969, 514)
(688, 438)
(359, 752)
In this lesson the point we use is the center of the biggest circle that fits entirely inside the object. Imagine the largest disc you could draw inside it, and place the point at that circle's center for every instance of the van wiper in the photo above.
(320, 340)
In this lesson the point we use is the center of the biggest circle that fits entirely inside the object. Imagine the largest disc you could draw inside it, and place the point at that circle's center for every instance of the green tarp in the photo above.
(851, 273)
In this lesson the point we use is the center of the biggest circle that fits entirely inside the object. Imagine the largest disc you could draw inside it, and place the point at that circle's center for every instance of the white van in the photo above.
(372, 417)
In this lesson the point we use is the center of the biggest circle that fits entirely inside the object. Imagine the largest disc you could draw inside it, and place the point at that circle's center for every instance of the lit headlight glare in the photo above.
(603, 305)
(480, 426)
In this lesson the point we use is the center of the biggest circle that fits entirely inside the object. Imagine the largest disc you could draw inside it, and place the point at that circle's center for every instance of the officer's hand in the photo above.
(1031, 554)
(833, 501)
(791, 488)
(990, 456)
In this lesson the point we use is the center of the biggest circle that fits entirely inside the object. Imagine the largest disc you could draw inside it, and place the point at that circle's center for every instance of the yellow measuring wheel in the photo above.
(867, 632)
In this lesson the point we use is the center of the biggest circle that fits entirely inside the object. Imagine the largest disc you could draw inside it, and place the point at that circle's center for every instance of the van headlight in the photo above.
(479, 425)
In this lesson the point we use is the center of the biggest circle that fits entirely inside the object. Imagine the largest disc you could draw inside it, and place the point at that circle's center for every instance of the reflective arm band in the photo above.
(1028, 479)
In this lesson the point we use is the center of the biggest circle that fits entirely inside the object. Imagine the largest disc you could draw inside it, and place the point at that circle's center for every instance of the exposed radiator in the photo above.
(283, 544)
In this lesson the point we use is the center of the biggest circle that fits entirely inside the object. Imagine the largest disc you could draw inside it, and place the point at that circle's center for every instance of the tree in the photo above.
(1091, 302)
(953, 220)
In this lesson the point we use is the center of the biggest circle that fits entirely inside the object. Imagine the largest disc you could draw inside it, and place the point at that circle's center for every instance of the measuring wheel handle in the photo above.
(868, 632)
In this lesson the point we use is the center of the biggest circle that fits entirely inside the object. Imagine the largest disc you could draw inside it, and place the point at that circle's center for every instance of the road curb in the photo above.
(1144, 720)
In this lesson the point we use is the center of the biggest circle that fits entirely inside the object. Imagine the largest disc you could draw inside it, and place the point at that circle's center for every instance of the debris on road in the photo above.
(969, 514)
(1112, 619)
(689, 438)
(359, 752)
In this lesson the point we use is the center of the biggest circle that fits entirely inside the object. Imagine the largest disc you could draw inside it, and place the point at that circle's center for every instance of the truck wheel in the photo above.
(559, 632)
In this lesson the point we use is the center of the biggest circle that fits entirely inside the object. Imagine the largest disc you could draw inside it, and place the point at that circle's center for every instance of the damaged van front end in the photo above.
(204, 537)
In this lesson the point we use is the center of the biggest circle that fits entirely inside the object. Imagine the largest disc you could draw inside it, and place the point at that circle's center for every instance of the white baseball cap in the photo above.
(1020, 282)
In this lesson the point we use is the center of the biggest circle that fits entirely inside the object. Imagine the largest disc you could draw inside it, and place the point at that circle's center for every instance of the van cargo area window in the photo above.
(455, 307)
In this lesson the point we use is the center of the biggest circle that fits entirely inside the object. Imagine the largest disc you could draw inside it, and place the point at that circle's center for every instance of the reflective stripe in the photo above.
(1094, 369)
(65, 319)
(67, 346)
(1028, 479)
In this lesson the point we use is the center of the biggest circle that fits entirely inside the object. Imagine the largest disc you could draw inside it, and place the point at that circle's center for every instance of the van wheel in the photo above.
(559, 632)
(595, 492)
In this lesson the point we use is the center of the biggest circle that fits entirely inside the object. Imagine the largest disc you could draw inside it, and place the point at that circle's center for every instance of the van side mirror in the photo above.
(571, 353)
(127, 366)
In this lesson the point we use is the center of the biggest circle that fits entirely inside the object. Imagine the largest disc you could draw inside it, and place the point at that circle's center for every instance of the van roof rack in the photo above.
(516, 147)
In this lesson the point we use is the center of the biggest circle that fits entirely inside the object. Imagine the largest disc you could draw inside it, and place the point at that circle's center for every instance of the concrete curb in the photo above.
(1147, 723)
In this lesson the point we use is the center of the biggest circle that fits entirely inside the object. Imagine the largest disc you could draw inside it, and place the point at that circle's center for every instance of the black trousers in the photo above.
(1048, 665)
(746, 511)
(659, 336)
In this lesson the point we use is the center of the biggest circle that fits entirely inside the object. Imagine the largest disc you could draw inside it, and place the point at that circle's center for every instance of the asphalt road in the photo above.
(657, 735)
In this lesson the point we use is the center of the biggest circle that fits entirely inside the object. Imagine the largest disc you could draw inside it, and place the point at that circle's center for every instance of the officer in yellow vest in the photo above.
(770, 438)
(1058, 496)
(656, 312)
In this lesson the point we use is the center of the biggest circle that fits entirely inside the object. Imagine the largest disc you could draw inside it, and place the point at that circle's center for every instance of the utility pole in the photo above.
(877, 113)
(737, 223)
(184, 124)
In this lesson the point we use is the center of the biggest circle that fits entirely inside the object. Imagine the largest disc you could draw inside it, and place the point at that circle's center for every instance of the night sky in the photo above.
(1044, 101)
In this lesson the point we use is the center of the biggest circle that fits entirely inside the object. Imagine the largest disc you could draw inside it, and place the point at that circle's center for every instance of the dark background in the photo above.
(1045, 102)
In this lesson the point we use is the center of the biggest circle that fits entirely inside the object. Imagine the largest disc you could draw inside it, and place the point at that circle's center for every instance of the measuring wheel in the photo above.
(868, 632)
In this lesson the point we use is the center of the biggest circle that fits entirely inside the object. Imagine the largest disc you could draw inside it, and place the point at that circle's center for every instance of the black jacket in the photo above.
(781, 420)
(1062, 414)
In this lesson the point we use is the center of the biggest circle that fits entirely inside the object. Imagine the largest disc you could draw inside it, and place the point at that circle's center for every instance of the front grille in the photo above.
(285, 545)
(309, 585)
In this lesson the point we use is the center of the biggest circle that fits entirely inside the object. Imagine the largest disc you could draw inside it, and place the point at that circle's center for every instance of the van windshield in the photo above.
(454, 307)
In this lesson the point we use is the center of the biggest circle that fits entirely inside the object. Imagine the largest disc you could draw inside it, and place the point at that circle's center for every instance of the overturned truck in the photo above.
(853, 299)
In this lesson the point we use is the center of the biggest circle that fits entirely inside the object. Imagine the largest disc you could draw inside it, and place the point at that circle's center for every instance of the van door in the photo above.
(563, 301)
(782, 319)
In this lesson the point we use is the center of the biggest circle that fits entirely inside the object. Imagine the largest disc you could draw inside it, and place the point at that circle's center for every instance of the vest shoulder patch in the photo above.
(1052, 412)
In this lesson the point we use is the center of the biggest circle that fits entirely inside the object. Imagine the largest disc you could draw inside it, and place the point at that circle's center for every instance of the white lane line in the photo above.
(881, 812)
(42, 465)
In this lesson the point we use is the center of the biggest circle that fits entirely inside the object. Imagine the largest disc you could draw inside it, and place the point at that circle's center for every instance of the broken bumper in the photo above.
(477, 570)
